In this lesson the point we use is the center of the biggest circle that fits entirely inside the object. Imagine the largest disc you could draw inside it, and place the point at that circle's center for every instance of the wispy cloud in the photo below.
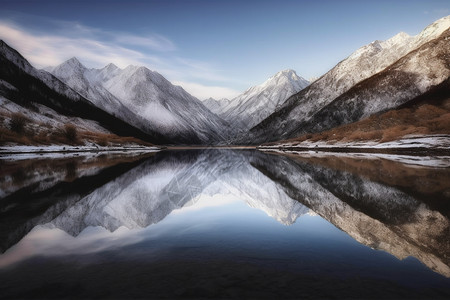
(96, 48)
(442, 11)
(155, 42)
(439, 11)
(203, 92)
(51, 50)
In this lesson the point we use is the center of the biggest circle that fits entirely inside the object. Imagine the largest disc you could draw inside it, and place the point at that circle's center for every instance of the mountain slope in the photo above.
(414, 74)
(26, 86)
(146, 98)
(405, 80)
(258, 102)
(87, 83)
(216, 106)
(427, 116)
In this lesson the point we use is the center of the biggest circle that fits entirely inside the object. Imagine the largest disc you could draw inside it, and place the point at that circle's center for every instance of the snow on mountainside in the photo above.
(258, 102)
(37, 94)
(146, 98)
(216, 106)
(87, 82)
(365, 62)
(19, 61)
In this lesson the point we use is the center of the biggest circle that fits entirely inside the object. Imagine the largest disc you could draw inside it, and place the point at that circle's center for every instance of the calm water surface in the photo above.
(224, 224)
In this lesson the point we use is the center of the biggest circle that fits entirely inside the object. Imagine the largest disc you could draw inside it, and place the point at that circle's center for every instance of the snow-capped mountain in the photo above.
(296, 115)
(146, 99)
(258, 102)
(216, 106)
(54, 102)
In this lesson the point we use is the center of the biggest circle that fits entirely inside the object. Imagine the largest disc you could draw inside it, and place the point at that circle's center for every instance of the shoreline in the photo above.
(417, 151)
(8, 150)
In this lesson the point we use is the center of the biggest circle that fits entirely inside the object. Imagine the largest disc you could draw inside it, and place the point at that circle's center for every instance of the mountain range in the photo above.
(375, 78)
(258, 102)
(146, 99)
(139, 102)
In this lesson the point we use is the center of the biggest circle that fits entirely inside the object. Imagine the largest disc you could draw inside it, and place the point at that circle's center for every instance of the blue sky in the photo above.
(211, 48)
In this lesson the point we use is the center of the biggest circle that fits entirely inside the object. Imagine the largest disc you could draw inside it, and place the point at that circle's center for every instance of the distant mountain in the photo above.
(376, 77)
(216, 106)
(42, 94)
(258, 102)
(145, 99)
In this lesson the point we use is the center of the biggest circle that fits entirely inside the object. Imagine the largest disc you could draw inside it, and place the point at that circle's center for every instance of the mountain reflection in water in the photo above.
(195, 224)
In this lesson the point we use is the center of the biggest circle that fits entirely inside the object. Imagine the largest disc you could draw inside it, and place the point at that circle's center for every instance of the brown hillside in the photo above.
(428, 114)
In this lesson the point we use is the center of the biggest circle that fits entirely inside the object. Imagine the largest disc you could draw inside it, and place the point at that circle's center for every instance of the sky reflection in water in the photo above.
(239, 216)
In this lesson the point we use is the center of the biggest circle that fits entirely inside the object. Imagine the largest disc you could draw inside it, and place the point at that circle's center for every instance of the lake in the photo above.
(218, 223)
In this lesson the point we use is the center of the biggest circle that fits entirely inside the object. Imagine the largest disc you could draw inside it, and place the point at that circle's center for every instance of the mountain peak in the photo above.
(286, 73)
(74, 63)
(402, 35)
(400, 38)
(74, 60)
(437, 28)
(110, 67)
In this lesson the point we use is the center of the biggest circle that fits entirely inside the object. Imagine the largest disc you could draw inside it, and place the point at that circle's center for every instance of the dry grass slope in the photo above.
(420, 119)
(17, 129)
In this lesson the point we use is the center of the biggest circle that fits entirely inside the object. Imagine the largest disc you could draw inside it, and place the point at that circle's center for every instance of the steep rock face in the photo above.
(258, 102)
(87, 82)
(216, 106)
(147, 99)
(75, 75)
(412, 75)
(26, 86)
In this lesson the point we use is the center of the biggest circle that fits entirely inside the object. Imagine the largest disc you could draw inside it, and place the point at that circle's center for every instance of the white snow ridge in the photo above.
(145, 99)
(258, 102)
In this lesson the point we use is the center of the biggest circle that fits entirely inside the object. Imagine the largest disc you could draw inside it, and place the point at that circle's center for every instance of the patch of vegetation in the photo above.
(389, 126)
(70, 132)
(17, 122)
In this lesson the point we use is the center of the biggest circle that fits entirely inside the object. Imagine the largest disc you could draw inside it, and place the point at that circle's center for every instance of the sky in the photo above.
(211, 48)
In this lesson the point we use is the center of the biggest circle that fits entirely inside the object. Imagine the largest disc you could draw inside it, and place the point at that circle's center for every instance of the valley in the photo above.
(224, 149)
(387, 94)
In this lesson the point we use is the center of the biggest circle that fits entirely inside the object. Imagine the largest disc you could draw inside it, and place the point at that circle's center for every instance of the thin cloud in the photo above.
(97, 48)
(155, 42)
(203, 91)
(48, 50)
(150, 41)
(201, 70)
(442, 11)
